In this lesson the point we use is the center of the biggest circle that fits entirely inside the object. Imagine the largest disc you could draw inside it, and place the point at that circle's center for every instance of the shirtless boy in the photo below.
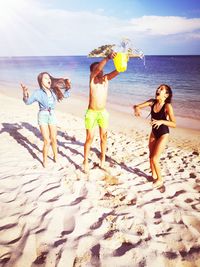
(96, 113)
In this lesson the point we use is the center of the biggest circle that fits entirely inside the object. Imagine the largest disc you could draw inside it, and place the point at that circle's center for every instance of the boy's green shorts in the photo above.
(96, 117)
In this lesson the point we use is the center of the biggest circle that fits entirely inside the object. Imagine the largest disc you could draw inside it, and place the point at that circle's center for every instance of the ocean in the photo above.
(133, 86)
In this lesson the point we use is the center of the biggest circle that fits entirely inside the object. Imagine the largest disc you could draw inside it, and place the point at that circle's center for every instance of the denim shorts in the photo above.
(45, 117)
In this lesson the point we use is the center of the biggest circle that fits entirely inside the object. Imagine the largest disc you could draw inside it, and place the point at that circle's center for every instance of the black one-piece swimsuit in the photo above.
(163, 129)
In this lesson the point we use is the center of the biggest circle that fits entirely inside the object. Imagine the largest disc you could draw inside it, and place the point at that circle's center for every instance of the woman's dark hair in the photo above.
(56, 84)
(39, 78)
(168, 91)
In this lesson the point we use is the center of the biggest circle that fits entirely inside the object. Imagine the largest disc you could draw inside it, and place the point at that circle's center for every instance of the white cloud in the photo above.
(157, 25)
(45, 31)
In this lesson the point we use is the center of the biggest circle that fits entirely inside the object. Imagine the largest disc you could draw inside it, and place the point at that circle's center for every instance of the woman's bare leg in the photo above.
(53, 138)
(45, 134)
(152, 144)
(158, 149)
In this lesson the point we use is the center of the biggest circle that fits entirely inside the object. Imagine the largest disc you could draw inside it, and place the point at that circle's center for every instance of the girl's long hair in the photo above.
(56, 85)
(168, 91)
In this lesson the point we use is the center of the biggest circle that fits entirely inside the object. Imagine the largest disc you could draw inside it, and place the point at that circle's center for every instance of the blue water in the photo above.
(137, 84)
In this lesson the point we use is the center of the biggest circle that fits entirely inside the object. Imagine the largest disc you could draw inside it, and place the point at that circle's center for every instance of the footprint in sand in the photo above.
(125, 246)
(41, 259)
(197, 187)
(110, 180)
(193, 175)
(68, 225)
(193, 223)
(5, 258)
(60, 242)
(97, 224)
(12, 234)
(41, 252)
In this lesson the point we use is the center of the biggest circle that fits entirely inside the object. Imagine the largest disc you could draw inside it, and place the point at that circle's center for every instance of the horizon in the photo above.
(148, 55)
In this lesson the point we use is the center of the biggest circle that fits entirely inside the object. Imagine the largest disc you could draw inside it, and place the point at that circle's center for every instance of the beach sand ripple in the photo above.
(60, 216)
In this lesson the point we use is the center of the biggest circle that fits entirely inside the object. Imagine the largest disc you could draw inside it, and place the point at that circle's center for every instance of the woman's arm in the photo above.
(27, 100)
(172, 119)
(137, 107)
(25, 91)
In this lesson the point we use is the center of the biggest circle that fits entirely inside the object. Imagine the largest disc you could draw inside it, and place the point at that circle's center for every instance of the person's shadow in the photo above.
(111, 161)
(60, 143)
(13, 130)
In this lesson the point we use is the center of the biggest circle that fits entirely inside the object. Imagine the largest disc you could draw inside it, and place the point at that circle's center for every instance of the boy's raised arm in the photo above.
(101, 65)
(112, 74)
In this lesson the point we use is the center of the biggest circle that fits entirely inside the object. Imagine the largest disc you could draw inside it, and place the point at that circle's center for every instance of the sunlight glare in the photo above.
(9, 9)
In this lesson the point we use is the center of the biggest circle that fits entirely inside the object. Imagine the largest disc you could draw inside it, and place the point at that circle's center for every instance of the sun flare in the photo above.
(9, 10)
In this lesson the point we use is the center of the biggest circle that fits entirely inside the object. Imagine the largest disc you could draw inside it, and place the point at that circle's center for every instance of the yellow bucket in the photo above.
(120, 61)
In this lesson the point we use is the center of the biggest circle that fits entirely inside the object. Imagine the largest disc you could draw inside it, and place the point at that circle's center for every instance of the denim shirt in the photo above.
(41, 97)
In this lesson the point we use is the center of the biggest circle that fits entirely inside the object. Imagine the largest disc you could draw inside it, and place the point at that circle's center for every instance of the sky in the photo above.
(76, 27)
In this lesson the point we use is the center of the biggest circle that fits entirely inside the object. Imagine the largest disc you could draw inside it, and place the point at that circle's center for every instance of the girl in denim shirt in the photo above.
(46, 96)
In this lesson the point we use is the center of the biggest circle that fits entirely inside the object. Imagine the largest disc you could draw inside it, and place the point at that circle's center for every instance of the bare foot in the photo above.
(102, 163)
(55, 158)
(44, 164)
(85, 166)
(154, 179)
(158, 184)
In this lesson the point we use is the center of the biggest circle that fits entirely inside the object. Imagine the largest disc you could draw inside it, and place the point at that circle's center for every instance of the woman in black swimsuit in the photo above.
(162, 117)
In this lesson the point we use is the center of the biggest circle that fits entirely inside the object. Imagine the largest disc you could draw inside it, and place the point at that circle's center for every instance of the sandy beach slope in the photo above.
(61, 217)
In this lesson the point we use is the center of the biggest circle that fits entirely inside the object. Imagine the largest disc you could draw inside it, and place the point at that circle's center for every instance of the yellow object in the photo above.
(96, 117)
(120, 61)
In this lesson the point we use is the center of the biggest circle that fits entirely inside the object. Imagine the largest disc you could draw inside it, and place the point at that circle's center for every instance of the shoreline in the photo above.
(121, 121)
(183, 123)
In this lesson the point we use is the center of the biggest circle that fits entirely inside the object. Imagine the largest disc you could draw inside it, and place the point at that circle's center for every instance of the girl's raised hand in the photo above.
(25, 90)
(136, 111)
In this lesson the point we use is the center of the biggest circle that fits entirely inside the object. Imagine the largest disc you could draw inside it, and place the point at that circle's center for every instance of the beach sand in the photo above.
(59, 216)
